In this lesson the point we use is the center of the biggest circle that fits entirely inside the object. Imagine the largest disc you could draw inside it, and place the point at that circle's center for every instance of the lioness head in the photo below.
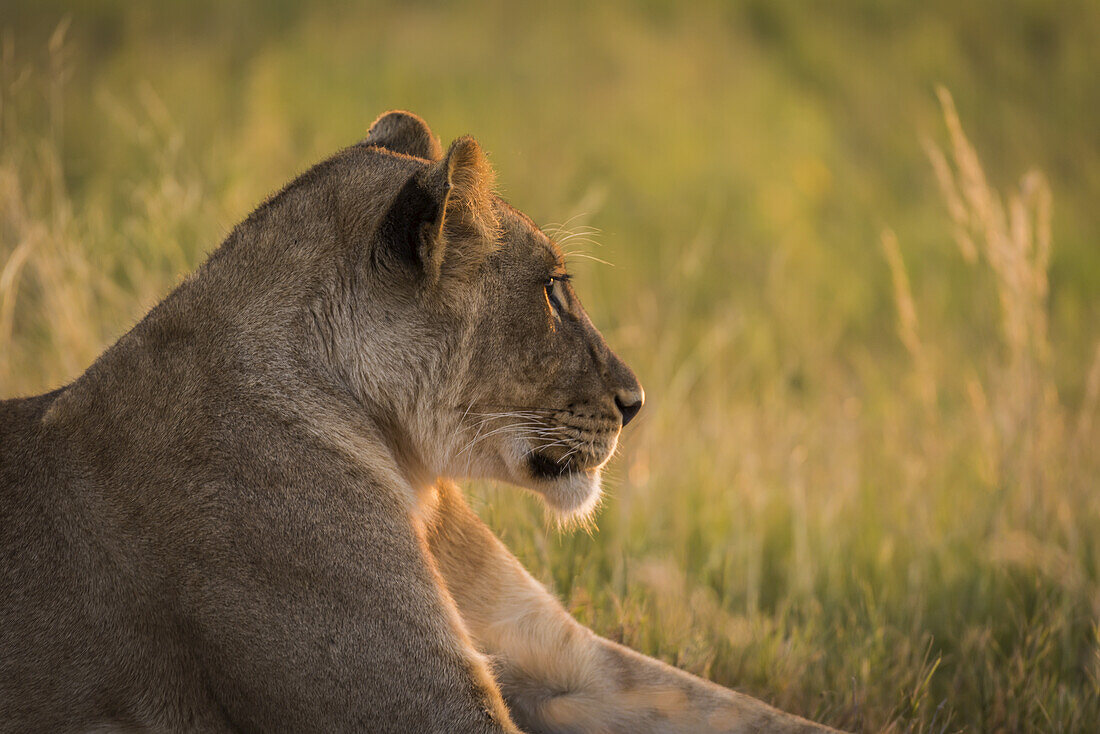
(454, 324)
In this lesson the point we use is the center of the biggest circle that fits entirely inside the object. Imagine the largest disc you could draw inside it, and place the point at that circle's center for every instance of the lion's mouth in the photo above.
(547, 446)
(543, 466)
(577, 456)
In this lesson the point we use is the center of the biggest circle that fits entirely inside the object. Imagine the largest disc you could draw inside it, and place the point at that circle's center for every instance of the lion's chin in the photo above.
(571, 489)
(572, 496)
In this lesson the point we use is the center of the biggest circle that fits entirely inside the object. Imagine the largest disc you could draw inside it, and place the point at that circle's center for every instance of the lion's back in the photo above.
(26, 470)
(45, 571)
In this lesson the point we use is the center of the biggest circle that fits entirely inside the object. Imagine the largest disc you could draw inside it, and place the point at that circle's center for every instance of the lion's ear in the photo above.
(404, 132)
(466, 229)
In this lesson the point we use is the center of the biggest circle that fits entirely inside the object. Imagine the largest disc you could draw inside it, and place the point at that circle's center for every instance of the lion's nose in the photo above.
(629, 402)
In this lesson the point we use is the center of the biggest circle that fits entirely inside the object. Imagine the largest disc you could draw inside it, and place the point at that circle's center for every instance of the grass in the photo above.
(864, 486)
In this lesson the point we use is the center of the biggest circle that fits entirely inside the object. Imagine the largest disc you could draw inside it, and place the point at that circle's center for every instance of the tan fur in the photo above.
(558, 676)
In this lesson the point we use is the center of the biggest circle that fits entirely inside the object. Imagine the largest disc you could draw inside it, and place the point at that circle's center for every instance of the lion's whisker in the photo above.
(586, 256)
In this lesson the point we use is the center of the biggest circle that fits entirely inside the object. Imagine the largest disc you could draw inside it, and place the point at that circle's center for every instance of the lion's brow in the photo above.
(556, 257)
(520, 215)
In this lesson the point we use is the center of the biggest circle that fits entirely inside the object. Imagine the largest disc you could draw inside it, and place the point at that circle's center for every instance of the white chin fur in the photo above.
(572, 497)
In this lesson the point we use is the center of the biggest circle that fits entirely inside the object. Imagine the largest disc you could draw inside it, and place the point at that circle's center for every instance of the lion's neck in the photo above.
(378, 446)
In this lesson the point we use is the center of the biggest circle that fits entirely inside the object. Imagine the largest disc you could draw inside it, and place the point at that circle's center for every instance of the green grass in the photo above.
(864, 486)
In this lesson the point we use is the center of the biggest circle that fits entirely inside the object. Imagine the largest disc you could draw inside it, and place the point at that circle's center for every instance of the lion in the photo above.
(241, 517)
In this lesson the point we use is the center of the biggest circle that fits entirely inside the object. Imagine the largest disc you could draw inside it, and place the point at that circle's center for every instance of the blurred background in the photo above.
(866, 484)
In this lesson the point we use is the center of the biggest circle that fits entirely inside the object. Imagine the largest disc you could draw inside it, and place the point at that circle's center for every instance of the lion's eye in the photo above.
(555, 294)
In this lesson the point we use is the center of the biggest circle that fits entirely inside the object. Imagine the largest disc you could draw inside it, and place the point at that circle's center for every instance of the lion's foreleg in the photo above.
(558, 676)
